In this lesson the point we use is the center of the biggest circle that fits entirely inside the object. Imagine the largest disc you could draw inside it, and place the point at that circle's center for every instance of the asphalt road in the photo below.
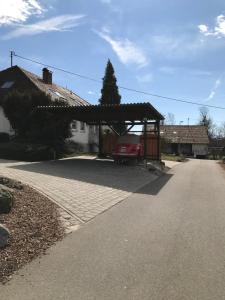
(166, 241)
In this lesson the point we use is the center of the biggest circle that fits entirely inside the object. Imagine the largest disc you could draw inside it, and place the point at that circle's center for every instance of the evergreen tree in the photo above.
(109, 91)
(110, 94)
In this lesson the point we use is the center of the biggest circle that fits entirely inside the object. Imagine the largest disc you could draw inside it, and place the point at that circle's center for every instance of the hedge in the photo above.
(26, 152)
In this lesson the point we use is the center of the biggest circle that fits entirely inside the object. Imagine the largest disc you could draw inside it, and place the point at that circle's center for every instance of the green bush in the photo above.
(72, 147)
(32, 124)
(27, 152)
(181, 158)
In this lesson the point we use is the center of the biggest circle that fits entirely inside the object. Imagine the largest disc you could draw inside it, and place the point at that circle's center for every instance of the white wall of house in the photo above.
(4, 123)
(85, 136)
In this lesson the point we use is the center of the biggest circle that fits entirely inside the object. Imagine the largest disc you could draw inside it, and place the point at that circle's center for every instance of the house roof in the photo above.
(108, 113)
(55, 91)
(185, 134)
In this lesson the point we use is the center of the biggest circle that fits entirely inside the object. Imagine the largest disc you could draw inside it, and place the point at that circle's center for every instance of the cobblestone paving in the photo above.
(83, 187)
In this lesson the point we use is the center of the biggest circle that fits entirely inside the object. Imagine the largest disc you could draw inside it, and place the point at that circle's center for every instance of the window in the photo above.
(74, 125)
(7, 85)
(56, 94)
(82, 126)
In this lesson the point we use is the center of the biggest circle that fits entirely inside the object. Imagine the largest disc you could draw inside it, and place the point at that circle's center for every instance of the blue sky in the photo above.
(173, 48)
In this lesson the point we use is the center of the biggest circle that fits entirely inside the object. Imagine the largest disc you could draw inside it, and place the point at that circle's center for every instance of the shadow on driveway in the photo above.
(99, 172)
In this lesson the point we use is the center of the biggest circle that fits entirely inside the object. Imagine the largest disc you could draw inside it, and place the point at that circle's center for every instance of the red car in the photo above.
(128, 147)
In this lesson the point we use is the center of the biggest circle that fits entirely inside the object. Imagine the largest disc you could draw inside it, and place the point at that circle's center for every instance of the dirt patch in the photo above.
(35, 225)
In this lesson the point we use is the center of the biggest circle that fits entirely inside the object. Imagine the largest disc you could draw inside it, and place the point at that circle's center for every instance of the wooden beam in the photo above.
(100, 140)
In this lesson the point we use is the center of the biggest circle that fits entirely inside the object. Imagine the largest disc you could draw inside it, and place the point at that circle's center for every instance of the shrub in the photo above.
(27, 152)
(72, 147)
(181, 158)
(31, 124)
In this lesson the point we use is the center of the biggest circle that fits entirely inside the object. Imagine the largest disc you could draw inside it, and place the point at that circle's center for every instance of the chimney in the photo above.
(47, 76)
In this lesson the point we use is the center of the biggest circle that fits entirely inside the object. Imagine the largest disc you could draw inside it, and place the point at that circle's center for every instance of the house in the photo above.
(190, 140)
(23, 80)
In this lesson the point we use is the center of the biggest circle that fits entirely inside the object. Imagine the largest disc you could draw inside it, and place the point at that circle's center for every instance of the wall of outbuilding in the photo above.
(4, 123)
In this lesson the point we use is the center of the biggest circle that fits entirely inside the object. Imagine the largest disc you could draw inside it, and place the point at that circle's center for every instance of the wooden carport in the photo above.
(131, 114)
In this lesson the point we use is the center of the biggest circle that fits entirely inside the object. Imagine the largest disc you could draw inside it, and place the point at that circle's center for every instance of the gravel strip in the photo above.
(35, 225)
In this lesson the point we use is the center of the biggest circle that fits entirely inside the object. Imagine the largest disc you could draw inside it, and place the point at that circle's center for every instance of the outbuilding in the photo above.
(190, 140)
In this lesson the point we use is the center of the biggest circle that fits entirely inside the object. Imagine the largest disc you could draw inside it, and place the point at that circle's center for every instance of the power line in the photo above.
(121, 87)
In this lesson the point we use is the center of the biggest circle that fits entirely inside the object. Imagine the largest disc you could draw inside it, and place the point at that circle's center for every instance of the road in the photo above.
(165, 242)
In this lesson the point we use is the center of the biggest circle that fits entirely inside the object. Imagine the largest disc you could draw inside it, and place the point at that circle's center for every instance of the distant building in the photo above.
(191, 140)
(16, 78)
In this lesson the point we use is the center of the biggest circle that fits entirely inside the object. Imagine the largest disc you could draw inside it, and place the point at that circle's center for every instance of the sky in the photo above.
(172, 48)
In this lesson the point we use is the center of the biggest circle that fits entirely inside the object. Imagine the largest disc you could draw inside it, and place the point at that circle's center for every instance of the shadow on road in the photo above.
(154, 187)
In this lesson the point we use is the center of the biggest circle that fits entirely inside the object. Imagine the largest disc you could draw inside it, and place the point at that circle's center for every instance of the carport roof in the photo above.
(108, 113)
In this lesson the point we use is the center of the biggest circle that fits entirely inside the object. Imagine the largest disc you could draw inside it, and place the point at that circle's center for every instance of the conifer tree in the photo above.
(110, 94)
(109, 91)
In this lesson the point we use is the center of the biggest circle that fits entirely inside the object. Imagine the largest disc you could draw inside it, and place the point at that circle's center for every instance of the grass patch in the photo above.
(172, 157)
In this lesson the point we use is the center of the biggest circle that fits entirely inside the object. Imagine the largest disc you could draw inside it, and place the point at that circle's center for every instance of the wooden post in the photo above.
(100, 140)
(158, 140)
(145, 139)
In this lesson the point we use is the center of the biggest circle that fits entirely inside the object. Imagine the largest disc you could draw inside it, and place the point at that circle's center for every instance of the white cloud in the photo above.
(91, 93)
(17, 11)
(214, 90)
(203, 28)
(127, 51)
(59, 23)
(220, 28)
(147, 78)
(175, 47)
(217, 31)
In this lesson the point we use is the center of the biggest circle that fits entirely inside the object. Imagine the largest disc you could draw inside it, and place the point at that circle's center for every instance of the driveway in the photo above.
(164, 242)
(83, 187)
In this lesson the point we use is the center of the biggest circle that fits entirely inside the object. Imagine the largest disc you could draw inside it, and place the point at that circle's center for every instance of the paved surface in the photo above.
(83, 186)
(166, 242)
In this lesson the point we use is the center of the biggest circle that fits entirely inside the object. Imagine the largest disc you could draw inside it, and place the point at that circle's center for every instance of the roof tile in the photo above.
(185, 134)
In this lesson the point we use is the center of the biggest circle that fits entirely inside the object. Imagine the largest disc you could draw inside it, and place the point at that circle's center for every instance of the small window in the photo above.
(74, 125)
(82, 126)
(7, 85)
(56, 94)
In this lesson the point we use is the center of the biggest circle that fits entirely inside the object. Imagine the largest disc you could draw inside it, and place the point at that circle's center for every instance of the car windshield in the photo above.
(129, 139)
